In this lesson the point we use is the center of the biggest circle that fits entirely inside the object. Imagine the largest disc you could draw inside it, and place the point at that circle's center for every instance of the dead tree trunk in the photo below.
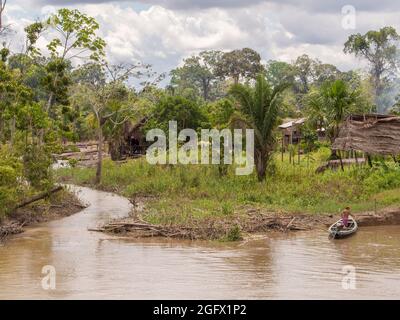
(39, 197)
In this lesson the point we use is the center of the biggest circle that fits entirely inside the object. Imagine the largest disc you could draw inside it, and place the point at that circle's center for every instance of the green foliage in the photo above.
(10, 173)
(181, 193)
(198, 74)
(4, 53)
(46, 101)
(278, 72)
(234, 234)
(188, 114)
(379, 48)
(77, 35)
(227, 209)
(310, 138)
(396, 107)
(73, 163)
(57, 80)
(36, 167)
(237, 64)
(33, 32)
(220, 113)
(7, 176)
(329, 105)
(258, 110)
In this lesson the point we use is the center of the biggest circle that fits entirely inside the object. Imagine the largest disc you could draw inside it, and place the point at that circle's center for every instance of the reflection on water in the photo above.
(94, 265)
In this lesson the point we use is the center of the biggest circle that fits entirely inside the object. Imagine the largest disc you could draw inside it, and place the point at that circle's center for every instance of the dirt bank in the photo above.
(247, 221)
(58, 205)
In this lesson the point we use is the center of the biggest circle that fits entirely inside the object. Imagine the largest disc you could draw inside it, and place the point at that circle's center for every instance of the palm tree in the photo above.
(258, 110)
(330, 105)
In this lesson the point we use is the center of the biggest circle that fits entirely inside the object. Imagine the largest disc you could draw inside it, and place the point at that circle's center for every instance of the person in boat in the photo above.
(346, 214)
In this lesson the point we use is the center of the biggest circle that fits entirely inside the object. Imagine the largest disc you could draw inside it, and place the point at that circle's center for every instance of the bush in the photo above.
(37, 164)
(200, 190)
(234, 234)
(10, 178)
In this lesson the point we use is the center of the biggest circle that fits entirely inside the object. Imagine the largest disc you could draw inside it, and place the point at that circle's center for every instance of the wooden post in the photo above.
(369, 160)
(298, 150)
(355, 156)
(341, 161)
(283, 144)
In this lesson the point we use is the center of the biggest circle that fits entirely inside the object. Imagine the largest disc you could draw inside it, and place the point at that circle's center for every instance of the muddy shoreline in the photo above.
(237, 226)
(58, 205)
(247, 221)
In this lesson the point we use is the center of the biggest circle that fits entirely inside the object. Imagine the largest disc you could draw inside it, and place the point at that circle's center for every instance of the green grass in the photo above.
(180, 193)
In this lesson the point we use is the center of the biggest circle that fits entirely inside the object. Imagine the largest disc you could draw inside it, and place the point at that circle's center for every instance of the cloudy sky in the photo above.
(162, 32)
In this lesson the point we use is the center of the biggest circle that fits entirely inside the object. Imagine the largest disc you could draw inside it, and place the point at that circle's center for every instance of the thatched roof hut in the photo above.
(372, 134)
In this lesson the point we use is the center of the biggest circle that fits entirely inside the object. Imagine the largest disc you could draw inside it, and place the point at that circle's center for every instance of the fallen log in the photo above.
(38, 197)
(10, 229)
(290, 223)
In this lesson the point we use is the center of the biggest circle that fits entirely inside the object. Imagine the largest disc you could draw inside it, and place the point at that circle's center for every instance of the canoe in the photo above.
(345, 232)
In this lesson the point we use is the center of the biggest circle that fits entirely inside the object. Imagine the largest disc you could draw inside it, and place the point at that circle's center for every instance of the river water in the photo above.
(304, 265)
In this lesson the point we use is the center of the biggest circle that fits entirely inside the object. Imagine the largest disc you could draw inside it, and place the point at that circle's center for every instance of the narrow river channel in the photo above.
(305, 265)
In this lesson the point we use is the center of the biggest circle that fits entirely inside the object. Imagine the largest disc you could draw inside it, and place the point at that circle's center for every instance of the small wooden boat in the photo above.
(337, 233)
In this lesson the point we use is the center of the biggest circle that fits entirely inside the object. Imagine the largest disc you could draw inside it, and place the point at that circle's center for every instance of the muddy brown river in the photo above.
(304, 265)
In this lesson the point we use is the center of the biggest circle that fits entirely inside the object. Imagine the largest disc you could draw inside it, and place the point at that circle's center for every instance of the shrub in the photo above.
(234, 234)
(36, 167)
(8, 191)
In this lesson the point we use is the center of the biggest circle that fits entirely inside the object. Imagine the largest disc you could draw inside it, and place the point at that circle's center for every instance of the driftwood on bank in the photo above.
(10, 229)
(149, 230)
(204, 229)
(39, 197)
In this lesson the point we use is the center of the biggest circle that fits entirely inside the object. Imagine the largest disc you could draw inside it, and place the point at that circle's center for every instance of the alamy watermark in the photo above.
(349, 277)
(349, 19)
(204, 150)
(49, 280)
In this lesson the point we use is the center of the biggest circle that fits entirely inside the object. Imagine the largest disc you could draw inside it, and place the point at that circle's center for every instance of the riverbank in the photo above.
(238, 226)
(58, 205)
(182, 269)
(198, 202)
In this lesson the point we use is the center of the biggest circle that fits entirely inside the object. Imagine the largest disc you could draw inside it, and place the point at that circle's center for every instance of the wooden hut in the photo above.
(132, 142)
(291, 131)
(371, 134)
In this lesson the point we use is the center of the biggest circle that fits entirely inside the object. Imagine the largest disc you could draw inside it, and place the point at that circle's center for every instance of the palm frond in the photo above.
(271, 115)
(243, 95)
(262, 94)
(240, 121)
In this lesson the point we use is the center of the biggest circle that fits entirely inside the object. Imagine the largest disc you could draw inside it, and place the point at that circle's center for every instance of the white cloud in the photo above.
(163, 35)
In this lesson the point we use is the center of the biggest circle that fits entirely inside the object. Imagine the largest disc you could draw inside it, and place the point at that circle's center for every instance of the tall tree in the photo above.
(187, 114)
(379, 48)
(238, 64)
(74, 37)
(304, 68)
(278, 72)
(108, 101)
(258, 109)
(325, 72)
(197, 72)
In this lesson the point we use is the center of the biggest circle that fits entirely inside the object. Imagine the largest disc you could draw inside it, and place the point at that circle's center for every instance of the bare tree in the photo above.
(2, 7)
(109, 100)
